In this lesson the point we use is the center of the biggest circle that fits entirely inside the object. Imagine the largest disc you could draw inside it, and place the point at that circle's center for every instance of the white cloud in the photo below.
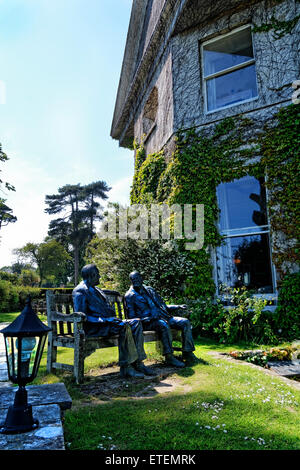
(120, 191)
(27, 203)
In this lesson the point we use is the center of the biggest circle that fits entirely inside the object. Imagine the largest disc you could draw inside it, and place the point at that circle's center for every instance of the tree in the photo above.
(16, 268)
(68, 201)
(6, 215)
(161, 264)
(8, 276)
(29, 277)
(93, 191)
(50, 257)
(80, 210)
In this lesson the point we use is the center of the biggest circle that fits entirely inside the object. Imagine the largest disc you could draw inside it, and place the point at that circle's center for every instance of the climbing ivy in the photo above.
(279, 28)
(280, 150)
(147, 174)
(204, 159)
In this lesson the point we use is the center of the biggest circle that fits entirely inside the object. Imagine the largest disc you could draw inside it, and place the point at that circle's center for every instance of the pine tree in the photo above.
(80, 211)
(6, 215)
(94, 191)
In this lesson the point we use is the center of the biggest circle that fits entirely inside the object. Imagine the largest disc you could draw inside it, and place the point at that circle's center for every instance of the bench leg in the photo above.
(51, 354)
(78, 359)
(78, 368)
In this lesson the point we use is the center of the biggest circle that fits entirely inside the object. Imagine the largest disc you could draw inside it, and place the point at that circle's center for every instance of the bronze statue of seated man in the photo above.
(101, 321)
(144, 302)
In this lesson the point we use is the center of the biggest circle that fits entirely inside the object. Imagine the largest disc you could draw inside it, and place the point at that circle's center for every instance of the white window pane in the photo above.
(228, 51)
(232, 87)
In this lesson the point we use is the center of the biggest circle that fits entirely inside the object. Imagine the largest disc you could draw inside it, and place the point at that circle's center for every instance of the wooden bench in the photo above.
(67, 331)
(39, 306)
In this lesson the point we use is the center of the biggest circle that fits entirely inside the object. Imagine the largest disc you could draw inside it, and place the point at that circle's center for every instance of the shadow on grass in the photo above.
(108, 384)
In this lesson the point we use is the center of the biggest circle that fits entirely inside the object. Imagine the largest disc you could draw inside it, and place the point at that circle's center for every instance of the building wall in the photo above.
(277, 66)
(178, 77)
(179, 82)
(164, 127)
(154, 8)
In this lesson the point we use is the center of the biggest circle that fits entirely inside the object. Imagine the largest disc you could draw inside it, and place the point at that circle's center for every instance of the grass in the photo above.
(9, 317)
(220, 405)
(216, 404)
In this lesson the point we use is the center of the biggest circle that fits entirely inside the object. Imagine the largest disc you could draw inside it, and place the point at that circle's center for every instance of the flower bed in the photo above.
(261, 358)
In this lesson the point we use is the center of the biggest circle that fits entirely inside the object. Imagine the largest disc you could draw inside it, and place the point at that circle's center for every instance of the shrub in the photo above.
(160, 263)
(246, 320)
(12, 297)
(207, 317)
(24, 291)
(287, 315)
(4, 295)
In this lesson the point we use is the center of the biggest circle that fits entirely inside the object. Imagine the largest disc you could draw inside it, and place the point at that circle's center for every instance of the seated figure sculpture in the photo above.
(101, 321)
(145, 303)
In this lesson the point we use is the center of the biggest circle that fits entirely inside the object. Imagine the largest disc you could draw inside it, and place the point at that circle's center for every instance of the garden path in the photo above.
(3, 367)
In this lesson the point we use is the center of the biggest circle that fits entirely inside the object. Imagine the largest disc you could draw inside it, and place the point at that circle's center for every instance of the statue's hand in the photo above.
(185, 310)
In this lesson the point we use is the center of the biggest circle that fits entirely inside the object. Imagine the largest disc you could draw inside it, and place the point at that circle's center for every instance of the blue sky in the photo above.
(60, 63)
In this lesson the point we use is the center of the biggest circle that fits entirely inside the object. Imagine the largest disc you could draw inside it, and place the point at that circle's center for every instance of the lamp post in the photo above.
(24, 343)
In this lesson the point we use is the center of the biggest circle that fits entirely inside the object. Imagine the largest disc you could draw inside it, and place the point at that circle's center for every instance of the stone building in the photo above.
(192, 63)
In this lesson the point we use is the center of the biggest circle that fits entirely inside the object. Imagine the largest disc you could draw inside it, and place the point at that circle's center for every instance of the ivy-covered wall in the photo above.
(229, 150)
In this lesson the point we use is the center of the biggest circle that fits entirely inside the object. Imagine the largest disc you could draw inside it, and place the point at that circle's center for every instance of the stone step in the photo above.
(48, 436)
(285, 368)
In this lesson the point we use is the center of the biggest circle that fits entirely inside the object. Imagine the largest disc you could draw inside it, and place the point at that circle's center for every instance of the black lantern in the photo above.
(24, 343)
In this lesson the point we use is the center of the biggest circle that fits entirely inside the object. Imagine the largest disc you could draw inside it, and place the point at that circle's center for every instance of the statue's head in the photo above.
(136, 279)
(90, 273)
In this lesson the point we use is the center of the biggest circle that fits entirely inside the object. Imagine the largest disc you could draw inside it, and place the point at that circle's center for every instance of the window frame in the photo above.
(227, 70)
(240, 232)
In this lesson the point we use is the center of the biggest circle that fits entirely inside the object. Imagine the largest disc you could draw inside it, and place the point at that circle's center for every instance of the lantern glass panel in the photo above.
(12, 357)
(28, 352)
(42, 340)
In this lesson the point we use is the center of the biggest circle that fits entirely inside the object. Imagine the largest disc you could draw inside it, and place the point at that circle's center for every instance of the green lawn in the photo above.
(216, 404)
(10, 317)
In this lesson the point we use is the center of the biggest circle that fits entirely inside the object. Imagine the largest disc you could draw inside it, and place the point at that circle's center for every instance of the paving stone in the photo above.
(286, 368)
(48, 436)
(46, 394)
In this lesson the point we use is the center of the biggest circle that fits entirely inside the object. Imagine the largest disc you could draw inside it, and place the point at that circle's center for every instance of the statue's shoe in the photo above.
(189, 357)
(129, 372)
(140, 367)
(172, 361)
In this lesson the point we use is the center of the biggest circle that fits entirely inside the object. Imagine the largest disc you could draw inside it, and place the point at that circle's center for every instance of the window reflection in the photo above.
(244, 258)
(229, 69)
(245, 261)
(228, 51)
(242, 203)
(234, 87)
